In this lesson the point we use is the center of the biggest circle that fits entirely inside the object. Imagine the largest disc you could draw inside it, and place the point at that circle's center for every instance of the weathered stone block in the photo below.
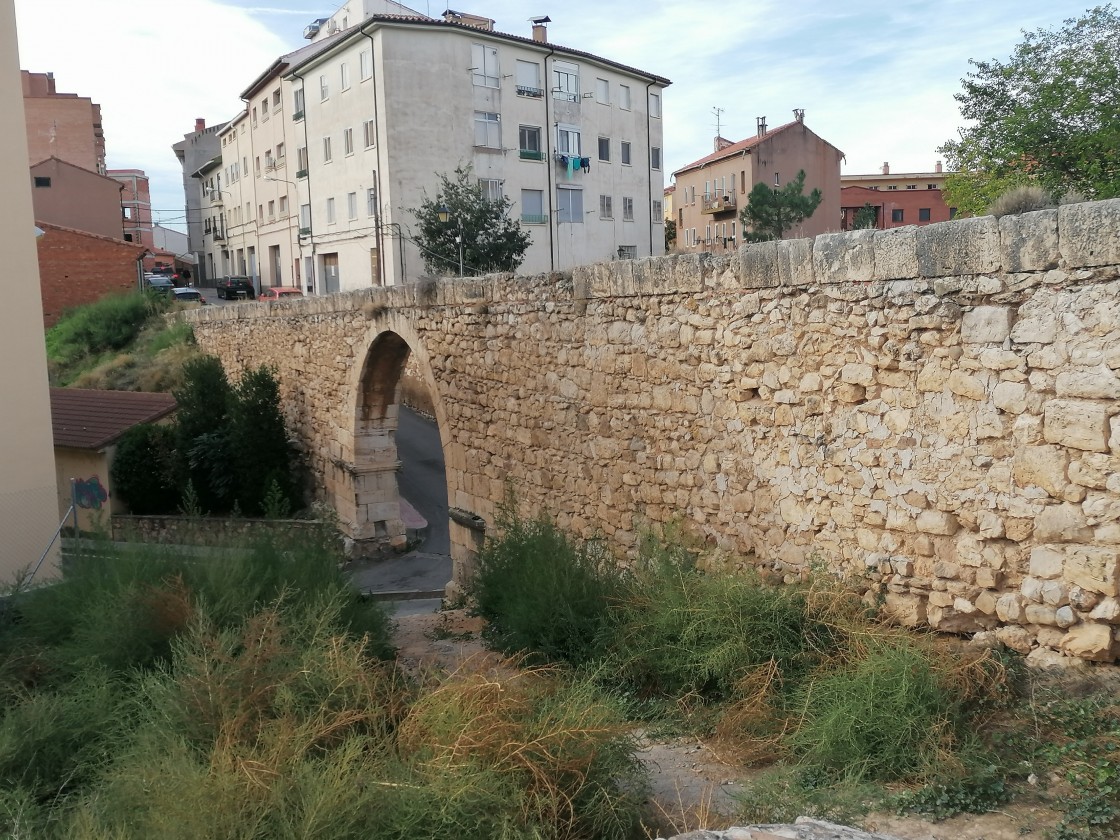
(1098, 383)
(937, 522)
(1089, 234)
(1061, 524)
(1029, 242)
(1093, 567)
(964, 385)
(795, 262)
(1091, 641)
(758, 265)
(1010, 397)
(840, 258)
(857, 374)
(1047, 562)
(1041, 466)
(963, 246)
(907, 610)
(1080, 424)
(896, 253)
(986, 324)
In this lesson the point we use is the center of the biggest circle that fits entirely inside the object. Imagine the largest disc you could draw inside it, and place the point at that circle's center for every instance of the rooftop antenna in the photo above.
(717, 112)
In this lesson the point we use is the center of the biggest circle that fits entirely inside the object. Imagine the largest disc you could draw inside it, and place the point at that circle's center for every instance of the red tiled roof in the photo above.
(88, 419)
(735, 148)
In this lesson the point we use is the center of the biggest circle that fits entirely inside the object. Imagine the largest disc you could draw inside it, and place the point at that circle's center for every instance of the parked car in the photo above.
(188, 296)
(159, 283)
(237, 286)
(279, 293)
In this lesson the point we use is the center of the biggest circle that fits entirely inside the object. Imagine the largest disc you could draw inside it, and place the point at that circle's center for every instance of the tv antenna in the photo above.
(717, 112)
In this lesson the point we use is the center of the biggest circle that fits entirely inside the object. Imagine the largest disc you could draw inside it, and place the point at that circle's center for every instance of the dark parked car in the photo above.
(159, 283)
(238, 286)
(188, 296)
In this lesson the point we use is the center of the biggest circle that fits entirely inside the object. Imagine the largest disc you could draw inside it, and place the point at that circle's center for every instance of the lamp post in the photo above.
(444, 215)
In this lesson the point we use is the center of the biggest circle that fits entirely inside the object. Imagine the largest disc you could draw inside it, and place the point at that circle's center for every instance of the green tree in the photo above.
(866, 217)
(1049, 115)
(261, 453)
(772, 211)
(492, 241)
(201, 432)
(670, 234)
(144, 469)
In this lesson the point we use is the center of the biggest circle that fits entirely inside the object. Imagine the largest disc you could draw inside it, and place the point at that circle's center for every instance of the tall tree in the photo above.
(1050, 114)
(260, 451)
(491, 240)
(201, 431)
(772, 211)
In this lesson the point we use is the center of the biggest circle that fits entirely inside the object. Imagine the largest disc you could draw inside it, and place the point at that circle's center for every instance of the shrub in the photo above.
(202, 432)
(144, 469)
(540, 592)
(1022, 199)
(258, 443)
(108, 324)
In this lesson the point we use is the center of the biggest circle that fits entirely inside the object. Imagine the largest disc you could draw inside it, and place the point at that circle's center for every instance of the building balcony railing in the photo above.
(270, 165)
(524, 90)
(301, 173)
(530, 154)
(305, 231)
(297, 116)
(218, 235)
(531, 219)
(718, 203)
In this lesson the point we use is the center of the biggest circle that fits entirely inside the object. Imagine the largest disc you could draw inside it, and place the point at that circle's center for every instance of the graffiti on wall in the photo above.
(89, 493)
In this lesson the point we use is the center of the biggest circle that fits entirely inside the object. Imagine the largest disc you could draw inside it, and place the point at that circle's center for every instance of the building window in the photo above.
(348, 141)
(352, 205)
(655, 104)
(624, 97)
(625, 156)
(369, 132)
(911, 186)
(532, 207)
(567, 140)
(254, 117)
(565, 81)
(529, 142)
(276, 100)
(297, 104)
(605, 149)
(272, 211)
(627, 252)
(283, 207)
(569, 205)
(606, 208)
(896, 215)
(602, 91)
(627, 209)
(257, 165)
(42, 181)
(529, 79)
(344, 76)
(777, 179)
(327, 150)
(931, 186)
(365, 63)
(490, 189)
(487, 130)
(484, 64)
(301, 161)
(371, 202)
(260, 214)
(952, 212)
(280, 154)
(655, 159)
(324, 89)
(923, 214)
(264, 109)
(330, 211)
(893, 187)
(658, 213)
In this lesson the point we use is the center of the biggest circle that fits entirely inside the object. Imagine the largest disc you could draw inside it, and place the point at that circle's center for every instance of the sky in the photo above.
(876, 78)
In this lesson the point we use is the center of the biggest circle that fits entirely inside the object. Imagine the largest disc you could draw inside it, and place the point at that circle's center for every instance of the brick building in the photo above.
(136, 205)
(76, 267)
(906, 198)
(61, 125)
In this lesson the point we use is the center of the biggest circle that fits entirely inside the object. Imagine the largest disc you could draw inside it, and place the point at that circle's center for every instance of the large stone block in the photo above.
(844, 257)
(1041, 466)
(758, 265)
(986, 325)
(1089, 234)
(1095, 383)
(1079, 424)
(962, 246)
(1029, 242)
(1093, 567)
(896, 253)
(795, 262)
(1090, 641)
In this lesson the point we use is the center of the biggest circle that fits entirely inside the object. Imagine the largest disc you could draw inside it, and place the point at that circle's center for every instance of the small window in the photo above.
(42, 181)
(532, 207)
(565, 81)
(931, 186)
(627, 209)
(272, 211)
(603, 91)
(327, 150)
(896, 215)
(655, 104)
(658, 213)
(264, 108)
(606, 208)
(624, 97)
(923, 214)
(568, 140)
(371, 201)
(655, 158)
(297, 104)
(365, 63)
(369, 133)
(777, 179)
(348, 141)
(625, 155)
(276, 100)
(627, 252)
(893, 187)
(569, 205)
(344, 76)
(352, 205)
(324, 89)
(330, 211)
(529, 142)
(484, 65)
(911, 186)
(605, 149)
(491, 189)
(529, 79)
(487, 130)
(254, 117)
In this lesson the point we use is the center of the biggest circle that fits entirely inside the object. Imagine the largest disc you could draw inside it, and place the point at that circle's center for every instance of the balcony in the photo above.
(217, 234)
(715, 203)
(524, 90)
(529, 154)
(305, 231)
(301, 173)
(530, 219)
(297, 116)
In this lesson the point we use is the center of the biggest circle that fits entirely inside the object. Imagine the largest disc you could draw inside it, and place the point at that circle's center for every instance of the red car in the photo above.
(279, 293)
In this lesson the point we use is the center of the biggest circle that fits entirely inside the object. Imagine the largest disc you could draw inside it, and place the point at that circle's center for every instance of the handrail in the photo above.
(47, 550)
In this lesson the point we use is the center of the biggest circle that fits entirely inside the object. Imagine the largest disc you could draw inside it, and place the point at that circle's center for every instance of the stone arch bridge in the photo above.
(936, 409)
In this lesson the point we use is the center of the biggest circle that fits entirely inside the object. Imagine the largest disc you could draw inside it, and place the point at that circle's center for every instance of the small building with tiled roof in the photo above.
(87, 425)
(712, 191)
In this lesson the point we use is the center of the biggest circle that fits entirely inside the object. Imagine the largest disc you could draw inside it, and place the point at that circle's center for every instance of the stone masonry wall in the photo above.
(935, 409)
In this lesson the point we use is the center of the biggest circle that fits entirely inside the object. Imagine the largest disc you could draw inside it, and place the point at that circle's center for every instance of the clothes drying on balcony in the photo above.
(574, 162)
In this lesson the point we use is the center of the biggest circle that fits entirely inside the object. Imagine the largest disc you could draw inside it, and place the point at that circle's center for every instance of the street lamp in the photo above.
(443, 212)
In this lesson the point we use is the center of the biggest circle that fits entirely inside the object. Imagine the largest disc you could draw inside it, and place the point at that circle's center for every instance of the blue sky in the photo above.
(875, 78)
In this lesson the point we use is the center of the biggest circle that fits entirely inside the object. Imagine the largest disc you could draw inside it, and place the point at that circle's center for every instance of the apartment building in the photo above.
(136, 205)
(61, 125)
(897, 199)
(711, 192)
(368, 117)
(193, 151)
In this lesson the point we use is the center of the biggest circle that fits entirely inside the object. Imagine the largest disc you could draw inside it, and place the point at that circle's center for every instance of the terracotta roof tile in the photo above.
(88, 419)
(734, 148)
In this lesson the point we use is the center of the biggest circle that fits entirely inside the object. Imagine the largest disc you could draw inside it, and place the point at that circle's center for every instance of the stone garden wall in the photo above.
(935, 410)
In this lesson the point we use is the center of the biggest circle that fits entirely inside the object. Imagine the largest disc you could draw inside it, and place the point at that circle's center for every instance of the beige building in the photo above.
(28, 511)
(67, 195)
(711, 192)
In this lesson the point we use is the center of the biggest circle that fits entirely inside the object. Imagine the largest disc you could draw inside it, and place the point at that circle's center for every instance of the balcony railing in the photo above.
(530, 219)
(298, 115)
(218, 235)
(305, 231)
(717, 203)
(524, 90)
(530, 154)
(301, 173)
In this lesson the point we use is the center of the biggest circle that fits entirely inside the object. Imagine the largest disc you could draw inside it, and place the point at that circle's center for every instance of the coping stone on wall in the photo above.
(1029, 242)
(844, 257)
(896, 253)
(795, 262)
(962, 246)
(758, 265)
(1089, 234)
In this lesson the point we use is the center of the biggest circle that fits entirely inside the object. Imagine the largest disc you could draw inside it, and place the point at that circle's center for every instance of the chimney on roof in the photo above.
(886, 168)
(477, 21)
(199, 124)
(799, 114)
(761, 125)
(540, 28)
(721, 143)
(937, 167)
